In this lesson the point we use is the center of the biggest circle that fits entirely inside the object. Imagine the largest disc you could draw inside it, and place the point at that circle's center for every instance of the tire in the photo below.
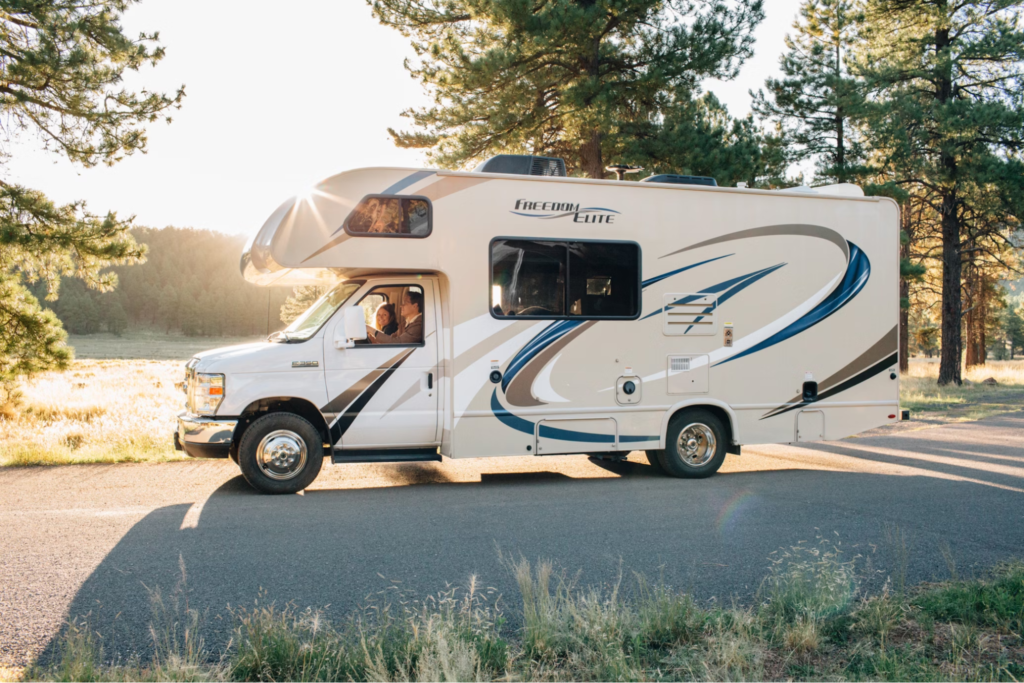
(280, 453)
(694, 456)
(653, 457)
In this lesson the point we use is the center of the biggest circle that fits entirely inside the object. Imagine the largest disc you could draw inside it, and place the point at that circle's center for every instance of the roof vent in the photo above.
(522, 164)
(681, 179)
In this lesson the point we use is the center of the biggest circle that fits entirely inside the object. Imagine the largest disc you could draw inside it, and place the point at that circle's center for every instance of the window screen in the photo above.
(565, 279)
(604, 279)
(527, 278)
(388, 216)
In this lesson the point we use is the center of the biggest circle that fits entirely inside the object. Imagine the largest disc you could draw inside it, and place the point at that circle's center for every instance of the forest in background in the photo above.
(190, 283)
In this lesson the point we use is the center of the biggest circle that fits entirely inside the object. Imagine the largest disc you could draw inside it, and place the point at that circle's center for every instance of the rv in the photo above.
(513, 311)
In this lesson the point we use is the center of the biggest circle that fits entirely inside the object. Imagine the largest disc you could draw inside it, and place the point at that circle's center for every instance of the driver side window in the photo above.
(393, 315)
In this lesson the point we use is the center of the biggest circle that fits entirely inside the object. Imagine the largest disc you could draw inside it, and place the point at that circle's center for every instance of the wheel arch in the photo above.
(719, 408)
(281, 404)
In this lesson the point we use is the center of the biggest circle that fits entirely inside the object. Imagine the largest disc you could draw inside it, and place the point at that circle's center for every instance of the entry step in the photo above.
(425, 454)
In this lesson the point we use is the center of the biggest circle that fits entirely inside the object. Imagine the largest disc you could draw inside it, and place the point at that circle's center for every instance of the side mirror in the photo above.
(352, 329)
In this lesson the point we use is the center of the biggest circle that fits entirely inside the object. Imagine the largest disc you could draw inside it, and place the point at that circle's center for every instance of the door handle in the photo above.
(430, 380)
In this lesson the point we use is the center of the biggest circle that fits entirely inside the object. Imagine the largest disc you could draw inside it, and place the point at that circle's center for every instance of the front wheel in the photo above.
(280, 453)
(694, 446)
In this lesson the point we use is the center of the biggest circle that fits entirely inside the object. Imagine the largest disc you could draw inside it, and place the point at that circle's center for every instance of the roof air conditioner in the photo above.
(522, 164)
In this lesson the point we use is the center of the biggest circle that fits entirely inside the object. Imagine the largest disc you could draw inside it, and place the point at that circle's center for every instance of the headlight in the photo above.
(206, 391)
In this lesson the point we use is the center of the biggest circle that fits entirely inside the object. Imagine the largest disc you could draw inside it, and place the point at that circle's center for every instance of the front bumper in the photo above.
(204, 437)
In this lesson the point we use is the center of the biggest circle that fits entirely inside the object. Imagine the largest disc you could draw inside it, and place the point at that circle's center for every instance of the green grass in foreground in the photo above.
(926, 400)
(810, 623)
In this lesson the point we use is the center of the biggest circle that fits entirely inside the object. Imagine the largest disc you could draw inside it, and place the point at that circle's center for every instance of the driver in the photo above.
(412, 312)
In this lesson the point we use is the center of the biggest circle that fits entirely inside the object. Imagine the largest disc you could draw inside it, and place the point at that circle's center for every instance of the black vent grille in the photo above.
(547, 166)
(522, 164)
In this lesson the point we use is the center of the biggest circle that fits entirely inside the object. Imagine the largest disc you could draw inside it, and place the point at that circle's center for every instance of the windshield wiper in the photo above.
(284, 337)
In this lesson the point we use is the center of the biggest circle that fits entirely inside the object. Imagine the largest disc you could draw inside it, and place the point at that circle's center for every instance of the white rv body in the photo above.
(745, 295)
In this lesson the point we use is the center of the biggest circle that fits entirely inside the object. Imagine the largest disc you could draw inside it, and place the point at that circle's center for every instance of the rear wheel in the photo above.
(695, 445)
(653, 457)
(280, 453)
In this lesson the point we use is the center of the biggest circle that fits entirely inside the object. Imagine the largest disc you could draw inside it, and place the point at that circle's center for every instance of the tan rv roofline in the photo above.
(631, 183)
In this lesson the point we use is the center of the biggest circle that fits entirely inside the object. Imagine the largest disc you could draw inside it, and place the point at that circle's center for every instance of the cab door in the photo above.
(385, 395)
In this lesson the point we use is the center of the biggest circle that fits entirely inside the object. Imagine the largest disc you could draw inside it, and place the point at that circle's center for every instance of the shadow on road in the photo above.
(987, 452)
(333, 548)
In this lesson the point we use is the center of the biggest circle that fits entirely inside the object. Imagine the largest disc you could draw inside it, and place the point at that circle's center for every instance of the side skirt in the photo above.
(425, 454)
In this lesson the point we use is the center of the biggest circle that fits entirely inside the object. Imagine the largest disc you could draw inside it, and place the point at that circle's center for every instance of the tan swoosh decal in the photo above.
(774, 230)
(882, 348)
(519, 389)
(475, 353)
(449, 186)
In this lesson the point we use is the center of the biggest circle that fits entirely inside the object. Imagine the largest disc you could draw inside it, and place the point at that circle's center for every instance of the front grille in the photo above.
(190, 384)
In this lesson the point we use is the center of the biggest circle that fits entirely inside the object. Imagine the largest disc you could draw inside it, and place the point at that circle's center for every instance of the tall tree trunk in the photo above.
(972, 318)
(904, 328)
(952, 305)
(840, 144)
(982, 317)
(590, 156)
(905, 219)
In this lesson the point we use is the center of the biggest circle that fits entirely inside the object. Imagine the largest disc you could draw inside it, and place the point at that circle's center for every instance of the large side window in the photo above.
(604, 279)
(559, 279)
(527, 278)
(389, 216)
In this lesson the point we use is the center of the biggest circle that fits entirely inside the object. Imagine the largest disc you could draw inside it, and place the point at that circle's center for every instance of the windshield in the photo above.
(306, 325)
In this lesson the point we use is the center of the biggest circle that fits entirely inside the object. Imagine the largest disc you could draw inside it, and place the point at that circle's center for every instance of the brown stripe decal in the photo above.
(346, 397)
(519, 389)
(877, 358)
(772, 231)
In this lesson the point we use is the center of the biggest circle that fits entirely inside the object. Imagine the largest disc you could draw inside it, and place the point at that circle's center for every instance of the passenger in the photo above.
(412, 312)
(385, 318)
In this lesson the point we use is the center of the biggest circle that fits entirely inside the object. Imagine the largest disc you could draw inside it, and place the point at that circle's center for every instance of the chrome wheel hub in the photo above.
(696, 444)
(281, 454)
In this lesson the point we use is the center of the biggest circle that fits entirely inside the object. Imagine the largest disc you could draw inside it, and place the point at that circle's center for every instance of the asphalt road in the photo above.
(96, 540)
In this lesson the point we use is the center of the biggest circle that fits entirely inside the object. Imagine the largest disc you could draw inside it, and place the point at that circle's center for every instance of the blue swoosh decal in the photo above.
(737, 285)
(664, 276)
(856, 276)
(526, 427)
(560, 328)
(548, 335)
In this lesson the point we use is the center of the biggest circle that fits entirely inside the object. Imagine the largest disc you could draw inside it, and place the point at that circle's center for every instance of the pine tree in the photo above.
(948, 98)
(817, 99)
(61, 78)
(300, 299)
(169, 308)
(559, 77)
(117, 319)
(698, 137)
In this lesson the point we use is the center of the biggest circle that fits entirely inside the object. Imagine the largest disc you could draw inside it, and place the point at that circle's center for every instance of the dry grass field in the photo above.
(98, 411)
(148, 346)
(920, 394)
(123, 410)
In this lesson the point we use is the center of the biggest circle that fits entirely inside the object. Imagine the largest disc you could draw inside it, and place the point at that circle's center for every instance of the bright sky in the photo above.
(276, 101)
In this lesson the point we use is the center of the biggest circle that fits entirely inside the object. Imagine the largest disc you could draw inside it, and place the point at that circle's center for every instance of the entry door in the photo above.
(386, 395)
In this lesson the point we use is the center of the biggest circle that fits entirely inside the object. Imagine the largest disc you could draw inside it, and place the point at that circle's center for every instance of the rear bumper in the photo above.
(204, 437)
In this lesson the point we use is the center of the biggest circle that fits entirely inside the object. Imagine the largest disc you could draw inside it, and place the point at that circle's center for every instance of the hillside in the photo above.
(189, 284)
